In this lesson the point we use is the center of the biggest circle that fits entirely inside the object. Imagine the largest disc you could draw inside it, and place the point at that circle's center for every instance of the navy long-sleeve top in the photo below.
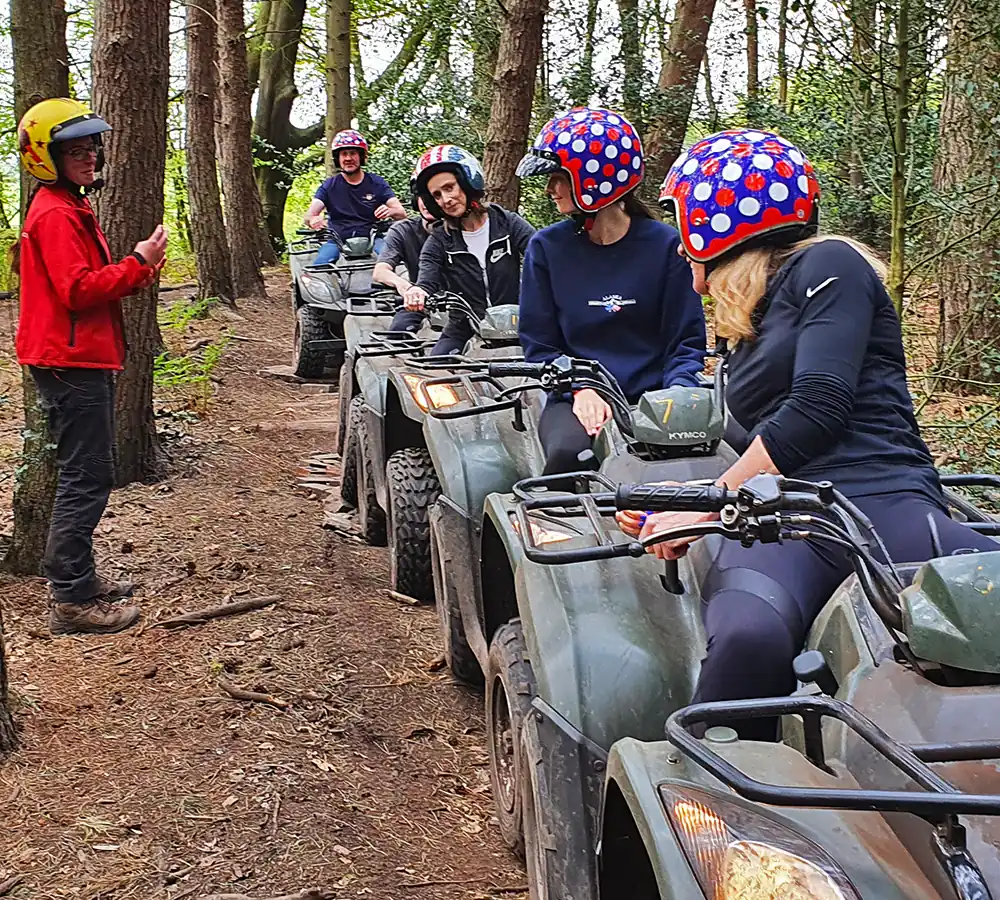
(824, 382)
(629, 305)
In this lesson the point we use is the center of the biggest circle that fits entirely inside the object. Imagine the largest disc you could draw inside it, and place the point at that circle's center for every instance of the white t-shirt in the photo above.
(478, 242)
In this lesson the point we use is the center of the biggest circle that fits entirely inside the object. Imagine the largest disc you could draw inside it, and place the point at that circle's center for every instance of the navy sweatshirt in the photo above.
(824, 381)
(629, 305)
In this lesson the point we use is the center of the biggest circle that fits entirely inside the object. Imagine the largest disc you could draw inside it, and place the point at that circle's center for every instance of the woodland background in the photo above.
(222, 110)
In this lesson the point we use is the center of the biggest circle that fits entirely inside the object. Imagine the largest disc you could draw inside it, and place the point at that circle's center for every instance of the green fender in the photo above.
(370, 377)
(358, 328)
(473, 461)
(612, 651)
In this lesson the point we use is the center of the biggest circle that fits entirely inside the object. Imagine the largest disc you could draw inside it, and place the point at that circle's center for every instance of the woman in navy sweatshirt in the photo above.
(607, 284)
(818, 381)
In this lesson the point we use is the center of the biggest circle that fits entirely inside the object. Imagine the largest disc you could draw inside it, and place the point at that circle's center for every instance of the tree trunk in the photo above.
(514, 89)
(753, 58)
(900, 146)
(628, 13)
(244, 217)
(582, 83)
(677, 85)
(486, 38)
(783, 55)
(131, 63)
(38, 30)
(710, 100)
(208, 230)
(966, 171)
(339, 109)
(858, 213)
(255, 41)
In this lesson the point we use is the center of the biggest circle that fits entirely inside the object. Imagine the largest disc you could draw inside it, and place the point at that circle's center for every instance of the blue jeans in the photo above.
(330, 251)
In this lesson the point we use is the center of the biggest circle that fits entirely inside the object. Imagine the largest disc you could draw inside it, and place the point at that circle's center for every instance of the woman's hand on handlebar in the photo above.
(658, 522)
(591, 410)
(317, 223)
(414, 297)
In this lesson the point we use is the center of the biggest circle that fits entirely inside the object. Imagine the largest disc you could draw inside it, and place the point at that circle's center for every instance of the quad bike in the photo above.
(885, 783)
(396, 478)
(320, 292)
(484, 591)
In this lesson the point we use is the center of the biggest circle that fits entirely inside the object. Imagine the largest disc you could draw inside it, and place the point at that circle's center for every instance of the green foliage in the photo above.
(182, 313)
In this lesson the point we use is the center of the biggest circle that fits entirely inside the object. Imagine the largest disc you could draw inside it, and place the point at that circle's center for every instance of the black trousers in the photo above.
(80, 407)
(563, 438)
(454, 336)
(407, 320)
(762, 600)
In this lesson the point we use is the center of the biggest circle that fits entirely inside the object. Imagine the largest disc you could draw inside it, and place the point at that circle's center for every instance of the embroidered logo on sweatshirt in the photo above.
(612, 303)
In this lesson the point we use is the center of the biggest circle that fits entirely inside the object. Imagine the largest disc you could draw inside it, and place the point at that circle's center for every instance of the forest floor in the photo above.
(138, 777)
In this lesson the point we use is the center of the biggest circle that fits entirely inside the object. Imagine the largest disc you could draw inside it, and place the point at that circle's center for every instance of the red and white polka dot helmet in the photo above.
(598, 149)
(735, 186)
(349, 139)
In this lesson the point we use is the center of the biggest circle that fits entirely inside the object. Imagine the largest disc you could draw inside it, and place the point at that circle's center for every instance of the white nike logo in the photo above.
(812, 292)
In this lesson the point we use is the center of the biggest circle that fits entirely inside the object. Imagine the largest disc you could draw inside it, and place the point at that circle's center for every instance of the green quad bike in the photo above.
(396, 480)
(320, 292)
(482, 589)
(885, 785)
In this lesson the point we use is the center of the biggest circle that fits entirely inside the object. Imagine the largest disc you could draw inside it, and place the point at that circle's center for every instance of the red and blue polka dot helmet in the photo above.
(735, 186)
(349, 140)
(598, 149)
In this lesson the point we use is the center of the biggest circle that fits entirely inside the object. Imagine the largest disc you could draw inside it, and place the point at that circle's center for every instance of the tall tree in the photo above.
(41, 70)
(782, 51)
(514, 89)
(485, 45)
(339, 109)
(208, 230)
(631, 48)
(244, 217)
(581, 84)
(278, 141)
(967, 174)
(677, 84)
(753, 59)
(131, 61)
(900, 147)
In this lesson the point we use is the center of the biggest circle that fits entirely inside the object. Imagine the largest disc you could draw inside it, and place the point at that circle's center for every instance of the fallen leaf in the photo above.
(256, 634)
(229, 801)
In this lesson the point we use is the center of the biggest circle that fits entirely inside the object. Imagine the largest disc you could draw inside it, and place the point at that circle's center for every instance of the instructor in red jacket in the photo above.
(71, 337)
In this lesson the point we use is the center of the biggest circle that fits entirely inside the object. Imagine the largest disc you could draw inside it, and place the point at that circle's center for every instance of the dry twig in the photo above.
(306, 894)
(403, 598)
(201, 616)
(7, 886)
(238, 693)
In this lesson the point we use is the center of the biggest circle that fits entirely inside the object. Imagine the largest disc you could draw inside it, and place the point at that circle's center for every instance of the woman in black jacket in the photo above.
(818, 381)
(477, 253)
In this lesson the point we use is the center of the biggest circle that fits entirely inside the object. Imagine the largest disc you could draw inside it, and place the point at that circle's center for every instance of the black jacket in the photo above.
(446, 264)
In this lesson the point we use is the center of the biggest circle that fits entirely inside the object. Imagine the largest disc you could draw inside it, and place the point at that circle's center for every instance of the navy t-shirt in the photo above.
(350, 208)
(629, 305)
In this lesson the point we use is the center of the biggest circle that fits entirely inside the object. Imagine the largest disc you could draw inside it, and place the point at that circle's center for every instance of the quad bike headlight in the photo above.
(737, 853)
(318, 288)
(545, 532)
(441, 396)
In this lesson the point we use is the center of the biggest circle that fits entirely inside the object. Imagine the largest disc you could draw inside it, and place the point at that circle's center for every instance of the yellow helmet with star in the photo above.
(51, 122)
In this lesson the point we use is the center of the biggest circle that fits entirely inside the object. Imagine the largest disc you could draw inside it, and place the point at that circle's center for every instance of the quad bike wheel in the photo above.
(349, 454)
(309, 326)
(413, 487)
(458, 654)
(370, 515)
(510, 688)
(534, 799)
(345, 395)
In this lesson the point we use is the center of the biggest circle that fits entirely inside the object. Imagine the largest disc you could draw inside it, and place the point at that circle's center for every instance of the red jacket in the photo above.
(71, 293)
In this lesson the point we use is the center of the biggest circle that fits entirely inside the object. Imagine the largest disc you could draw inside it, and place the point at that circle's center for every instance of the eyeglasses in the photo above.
(82, 154)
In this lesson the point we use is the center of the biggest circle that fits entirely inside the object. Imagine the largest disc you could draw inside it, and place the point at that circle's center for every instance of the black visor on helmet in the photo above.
(538, 162)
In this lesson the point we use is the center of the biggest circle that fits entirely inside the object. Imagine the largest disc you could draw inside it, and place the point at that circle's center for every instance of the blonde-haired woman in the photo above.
(818, 381)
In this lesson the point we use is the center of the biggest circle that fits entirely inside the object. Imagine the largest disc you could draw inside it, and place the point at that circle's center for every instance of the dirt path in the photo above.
(139, 778)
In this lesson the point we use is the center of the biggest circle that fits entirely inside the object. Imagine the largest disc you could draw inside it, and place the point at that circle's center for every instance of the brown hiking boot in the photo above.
(97, 616)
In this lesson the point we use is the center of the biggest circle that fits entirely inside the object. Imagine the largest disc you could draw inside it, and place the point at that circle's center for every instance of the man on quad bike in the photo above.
(818, 380)
(477, 252)
(403, 243)
(607, 284)
(354, 200)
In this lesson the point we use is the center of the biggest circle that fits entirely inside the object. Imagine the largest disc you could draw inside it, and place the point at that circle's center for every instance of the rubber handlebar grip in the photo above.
(673, 498)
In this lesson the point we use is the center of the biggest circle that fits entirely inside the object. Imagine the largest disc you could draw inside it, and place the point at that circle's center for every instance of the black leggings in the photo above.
(762, 600)
(563, 438)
